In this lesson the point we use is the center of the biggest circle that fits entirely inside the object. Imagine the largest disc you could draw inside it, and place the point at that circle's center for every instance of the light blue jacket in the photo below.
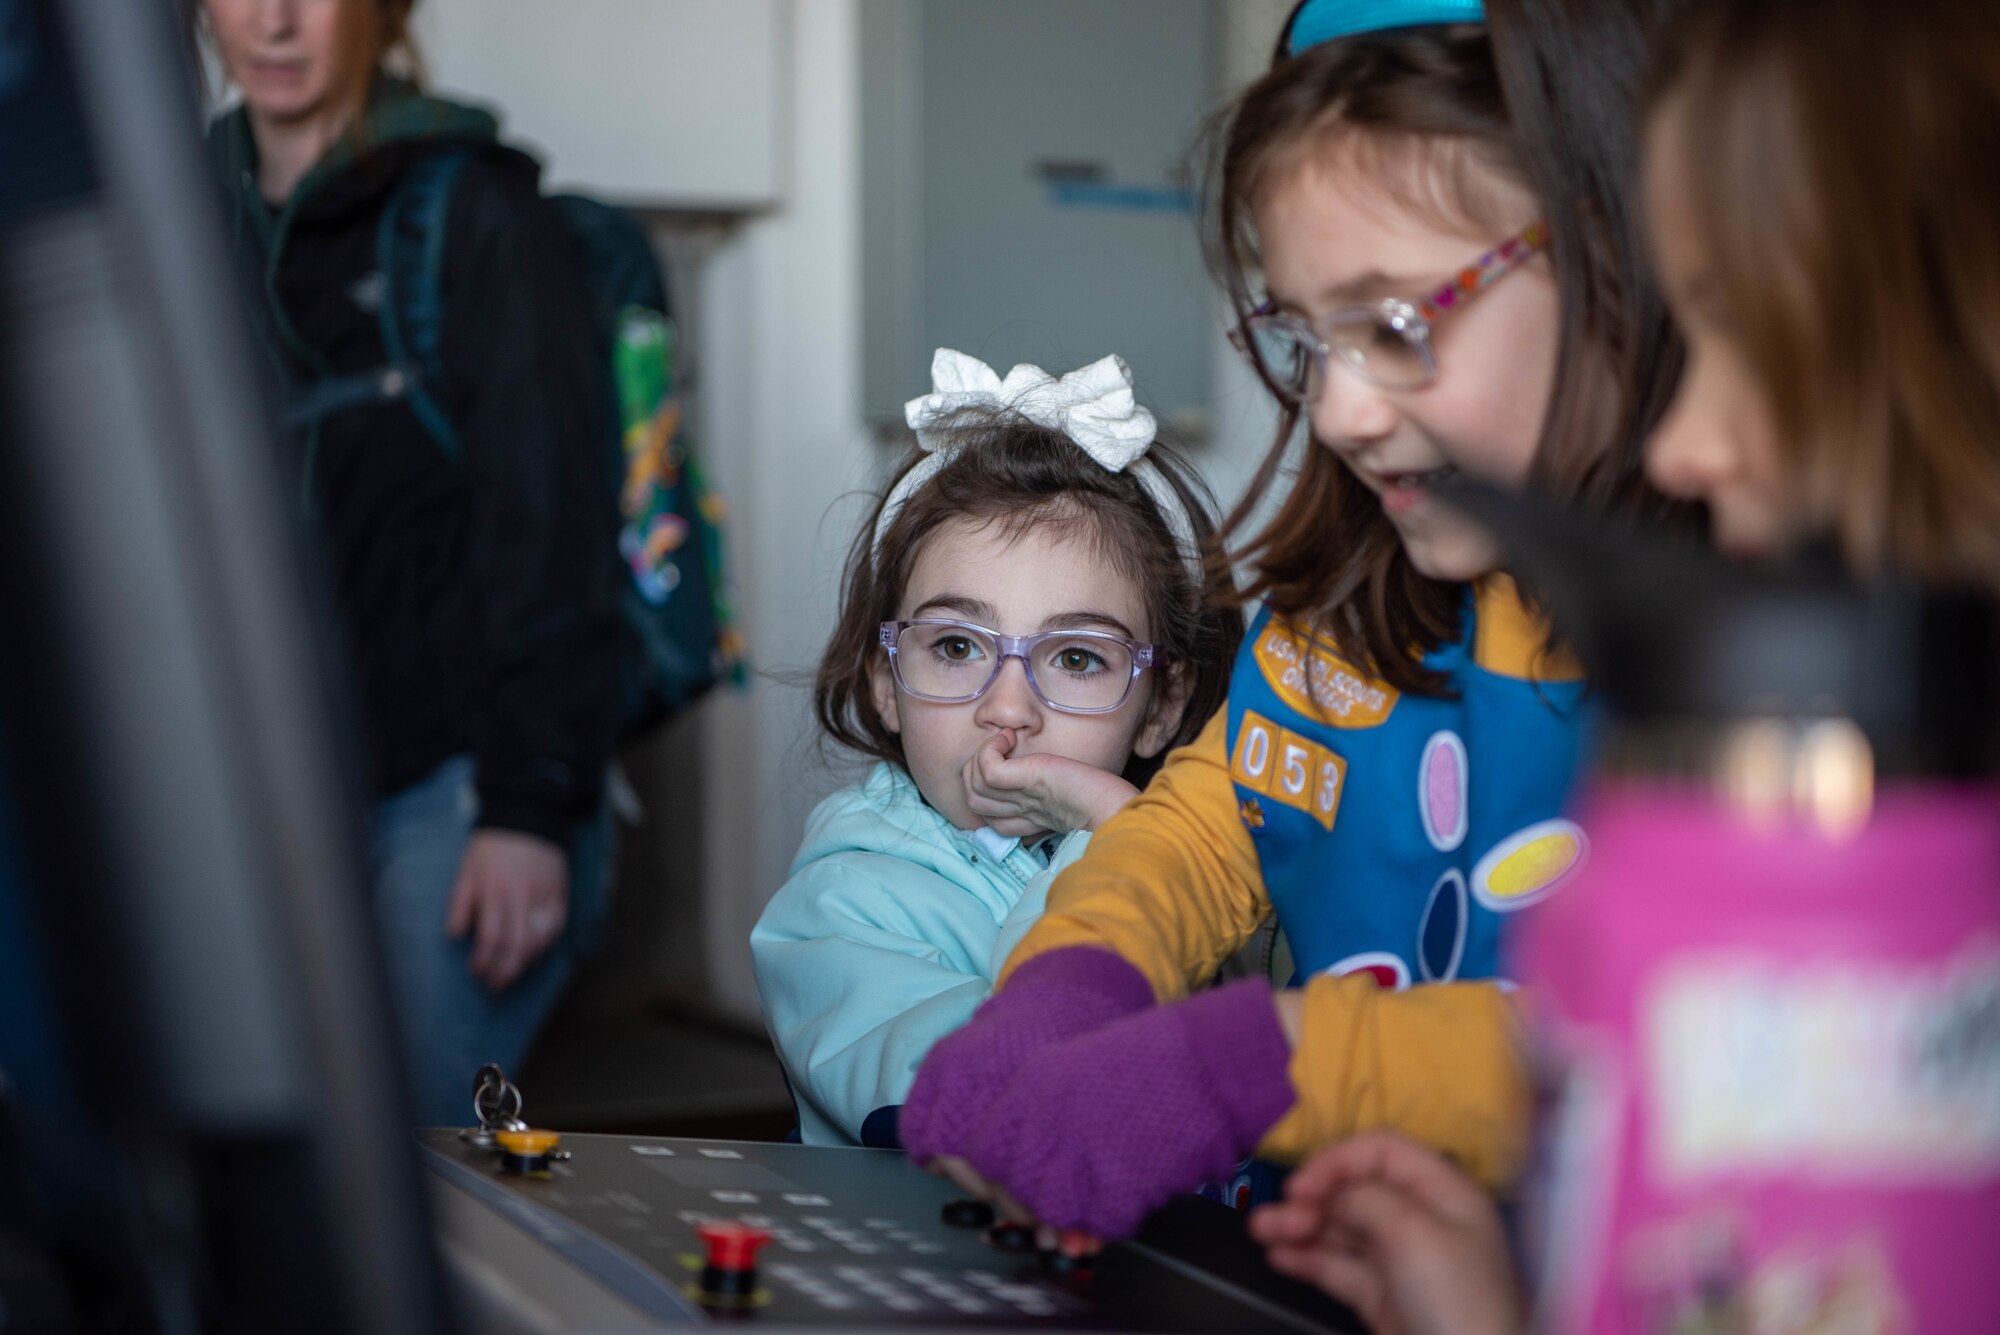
(884, 939)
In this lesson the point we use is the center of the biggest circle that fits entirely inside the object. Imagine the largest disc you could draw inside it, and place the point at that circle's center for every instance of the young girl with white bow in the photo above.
(1025, 630)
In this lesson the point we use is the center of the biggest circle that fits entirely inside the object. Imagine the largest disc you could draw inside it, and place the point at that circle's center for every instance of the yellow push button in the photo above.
(528, 1142)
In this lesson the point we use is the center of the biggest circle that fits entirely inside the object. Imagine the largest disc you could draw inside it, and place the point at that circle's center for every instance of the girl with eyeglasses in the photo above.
(1426, 232)
(1026, 628)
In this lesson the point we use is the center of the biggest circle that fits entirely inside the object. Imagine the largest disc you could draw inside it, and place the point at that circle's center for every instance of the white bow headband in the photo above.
(1093, 406)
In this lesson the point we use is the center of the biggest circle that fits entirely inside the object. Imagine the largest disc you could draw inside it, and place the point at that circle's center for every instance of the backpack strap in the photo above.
(333, 395)
(409, 250)
(409, 255)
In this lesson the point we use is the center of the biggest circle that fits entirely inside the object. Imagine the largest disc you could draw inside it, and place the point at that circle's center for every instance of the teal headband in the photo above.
(1317, 21)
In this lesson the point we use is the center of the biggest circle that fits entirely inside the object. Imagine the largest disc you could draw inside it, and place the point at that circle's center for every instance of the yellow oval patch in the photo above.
(1529, 869)
(1529, 864)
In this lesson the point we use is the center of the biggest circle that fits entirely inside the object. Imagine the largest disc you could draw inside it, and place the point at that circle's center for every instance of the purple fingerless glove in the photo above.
(1099, 1131)
(1050, 998)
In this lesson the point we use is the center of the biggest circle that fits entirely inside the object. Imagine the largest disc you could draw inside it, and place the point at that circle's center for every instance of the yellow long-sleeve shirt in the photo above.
(1173, 884)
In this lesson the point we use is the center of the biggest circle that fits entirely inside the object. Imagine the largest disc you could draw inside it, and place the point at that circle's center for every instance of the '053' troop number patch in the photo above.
(1287, 768)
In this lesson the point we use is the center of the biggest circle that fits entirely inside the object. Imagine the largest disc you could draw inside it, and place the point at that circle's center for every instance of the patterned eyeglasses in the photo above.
(1388, 343)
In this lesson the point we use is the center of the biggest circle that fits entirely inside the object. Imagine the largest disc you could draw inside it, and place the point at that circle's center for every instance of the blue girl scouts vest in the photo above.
(1395, 832)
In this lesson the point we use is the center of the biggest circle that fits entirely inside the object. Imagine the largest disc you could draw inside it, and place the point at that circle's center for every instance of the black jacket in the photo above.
(478, 595)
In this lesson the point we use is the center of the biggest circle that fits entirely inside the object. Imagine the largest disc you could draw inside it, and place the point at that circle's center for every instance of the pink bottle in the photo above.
(1767, 1008)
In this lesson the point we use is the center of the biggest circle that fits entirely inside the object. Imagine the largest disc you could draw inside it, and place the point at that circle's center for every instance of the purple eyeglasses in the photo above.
(1071, 671)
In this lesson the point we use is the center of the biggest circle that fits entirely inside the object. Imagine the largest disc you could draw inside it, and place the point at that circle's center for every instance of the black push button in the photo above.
(1009, 1237)
(968, 1214)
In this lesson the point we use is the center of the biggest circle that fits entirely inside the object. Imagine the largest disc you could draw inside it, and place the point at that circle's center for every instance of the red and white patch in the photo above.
(1390, 973)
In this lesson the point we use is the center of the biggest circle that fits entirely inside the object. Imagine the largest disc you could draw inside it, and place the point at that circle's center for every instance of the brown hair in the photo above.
(1024, 478)
(1846, 203)
(394, 49)
(1545, 98)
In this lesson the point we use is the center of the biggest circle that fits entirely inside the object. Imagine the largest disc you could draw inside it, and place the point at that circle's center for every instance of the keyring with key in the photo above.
(496, 1102)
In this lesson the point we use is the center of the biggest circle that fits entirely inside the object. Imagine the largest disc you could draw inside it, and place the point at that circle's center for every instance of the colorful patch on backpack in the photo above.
(1317, 682)
(1529, 865)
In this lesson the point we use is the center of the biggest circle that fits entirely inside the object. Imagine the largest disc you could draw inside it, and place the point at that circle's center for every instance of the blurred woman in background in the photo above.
(464, 513)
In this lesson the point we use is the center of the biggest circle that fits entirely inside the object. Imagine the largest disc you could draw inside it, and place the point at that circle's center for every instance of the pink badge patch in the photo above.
(1442, 779)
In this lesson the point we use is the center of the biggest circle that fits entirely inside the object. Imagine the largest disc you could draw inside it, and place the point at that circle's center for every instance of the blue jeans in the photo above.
(451, 1023)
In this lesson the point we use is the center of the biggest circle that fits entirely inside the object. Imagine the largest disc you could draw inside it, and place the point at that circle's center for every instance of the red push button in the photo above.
(732, 1246)
(731, 1269)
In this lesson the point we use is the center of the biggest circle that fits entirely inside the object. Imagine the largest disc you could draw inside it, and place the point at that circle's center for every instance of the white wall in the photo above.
(644, 102)
(1244, 416)
(1249, 31)
(781, 344)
